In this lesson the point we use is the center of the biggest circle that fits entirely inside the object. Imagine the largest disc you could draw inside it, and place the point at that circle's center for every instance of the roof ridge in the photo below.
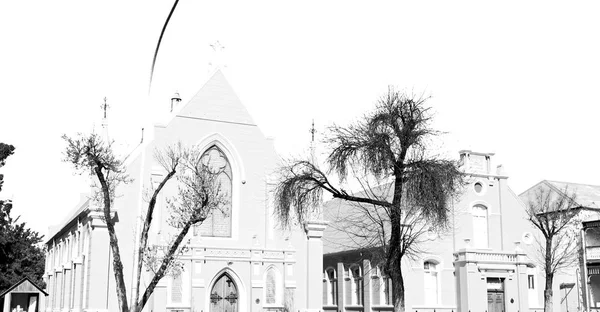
(554, 181)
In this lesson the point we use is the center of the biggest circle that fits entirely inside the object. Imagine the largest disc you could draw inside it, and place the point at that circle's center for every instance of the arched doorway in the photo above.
(224, 295)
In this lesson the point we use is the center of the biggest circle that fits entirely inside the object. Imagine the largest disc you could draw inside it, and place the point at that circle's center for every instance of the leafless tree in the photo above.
(554, 213)
(389, 146)
(199, 193)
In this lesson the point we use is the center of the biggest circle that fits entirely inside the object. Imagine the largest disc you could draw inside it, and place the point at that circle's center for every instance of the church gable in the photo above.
(216, 100)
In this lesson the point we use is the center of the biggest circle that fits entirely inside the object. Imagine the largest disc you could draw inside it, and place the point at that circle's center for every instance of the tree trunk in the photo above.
(548, 293)
(398, 289)
(394, 256)
(114, 243)
(549, 276)
(144, 238)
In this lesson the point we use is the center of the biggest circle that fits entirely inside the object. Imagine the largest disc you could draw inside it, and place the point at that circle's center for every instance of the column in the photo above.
(6, 302)
(99, 270)
(314, 292)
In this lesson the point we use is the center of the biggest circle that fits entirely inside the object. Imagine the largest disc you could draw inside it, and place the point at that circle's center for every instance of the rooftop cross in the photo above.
(217, 56)
(312, 131)
(104, 107)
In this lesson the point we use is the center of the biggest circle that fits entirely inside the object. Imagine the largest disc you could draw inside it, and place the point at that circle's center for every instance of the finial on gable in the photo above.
(312, 142)
(312, 131)
(217, 60)
(104, 107)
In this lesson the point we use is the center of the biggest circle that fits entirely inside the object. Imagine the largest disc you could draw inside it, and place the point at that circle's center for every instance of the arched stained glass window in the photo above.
(176, 289)
(271, 287)
(218, 223)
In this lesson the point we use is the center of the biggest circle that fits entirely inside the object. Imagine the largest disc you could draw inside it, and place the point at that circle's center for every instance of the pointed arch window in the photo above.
(272, 292)
(218, 223)
(176, 289)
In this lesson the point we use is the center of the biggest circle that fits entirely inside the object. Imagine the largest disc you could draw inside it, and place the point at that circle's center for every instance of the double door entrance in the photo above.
(224, 295)
(495, 294)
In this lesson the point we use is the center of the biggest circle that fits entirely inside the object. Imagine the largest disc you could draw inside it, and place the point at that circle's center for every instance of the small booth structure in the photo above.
(23, 296)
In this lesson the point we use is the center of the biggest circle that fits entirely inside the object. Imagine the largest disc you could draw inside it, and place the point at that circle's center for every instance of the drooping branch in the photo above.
(301, 188)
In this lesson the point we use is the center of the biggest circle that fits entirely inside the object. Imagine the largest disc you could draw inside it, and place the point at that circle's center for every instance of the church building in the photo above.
(238, 260)
(478, 264)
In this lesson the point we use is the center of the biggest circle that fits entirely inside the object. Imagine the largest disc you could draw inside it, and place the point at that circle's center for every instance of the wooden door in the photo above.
(495, 301)
(224, 295)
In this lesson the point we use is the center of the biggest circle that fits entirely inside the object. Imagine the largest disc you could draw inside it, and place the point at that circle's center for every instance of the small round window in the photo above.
(478, 187)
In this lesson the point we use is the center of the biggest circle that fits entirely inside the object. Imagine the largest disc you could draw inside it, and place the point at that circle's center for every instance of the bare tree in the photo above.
(199, 193)
(554, 214)
(388, 146)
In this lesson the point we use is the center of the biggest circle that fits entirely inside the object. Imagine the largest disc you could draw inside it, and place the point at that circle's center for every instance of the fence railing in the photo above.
(486, 256)
(592, 253)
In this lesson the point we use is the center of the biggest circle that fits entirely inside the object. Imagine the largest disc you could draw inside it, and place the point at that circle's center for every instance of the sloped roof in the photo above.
(586, 195)
(216, 100)
(17, 284)
(80, 208)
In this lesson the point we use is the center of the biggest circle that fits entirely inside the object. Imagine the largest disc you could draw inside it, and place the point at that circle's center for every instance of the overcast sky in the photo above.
(518, 78)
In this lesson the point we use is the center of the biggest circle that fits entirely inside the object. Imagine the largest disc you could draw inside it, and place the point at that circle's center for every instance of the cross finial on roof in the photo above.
(312, 131)
(104, 107)
(217, 59)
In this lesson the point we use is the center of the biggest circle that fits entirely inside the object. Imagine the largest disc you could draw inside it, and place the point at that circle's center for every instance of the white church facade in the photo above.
(237, 261)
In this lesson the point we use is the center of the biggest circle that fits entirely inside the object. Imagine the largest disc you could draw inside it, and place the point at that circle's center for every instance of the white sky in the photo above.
(519, 78)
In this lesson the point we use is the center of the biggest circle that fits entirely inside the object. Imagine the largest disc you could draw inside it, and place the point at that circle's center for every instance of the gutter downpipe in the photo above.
(501, 215)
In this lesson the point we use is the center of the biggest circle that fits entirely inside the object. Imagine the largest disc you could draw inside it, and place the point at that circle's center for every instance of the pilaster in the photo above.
(340, 292)
(367, 285)
(314, 271)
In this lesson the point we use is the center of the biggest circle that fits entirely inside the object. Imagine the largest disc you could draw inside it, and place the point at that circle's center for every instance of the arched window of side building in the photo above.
(330, 287)
(356, 279)
(431, 282)
(480, 226)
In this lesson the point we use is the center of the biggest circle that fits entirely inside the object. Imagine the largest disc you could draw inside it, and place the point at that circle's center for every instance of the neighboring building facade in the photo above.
(479, 265)
(575, 287)
(590, 266)
(24, 295)
(237, 261)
